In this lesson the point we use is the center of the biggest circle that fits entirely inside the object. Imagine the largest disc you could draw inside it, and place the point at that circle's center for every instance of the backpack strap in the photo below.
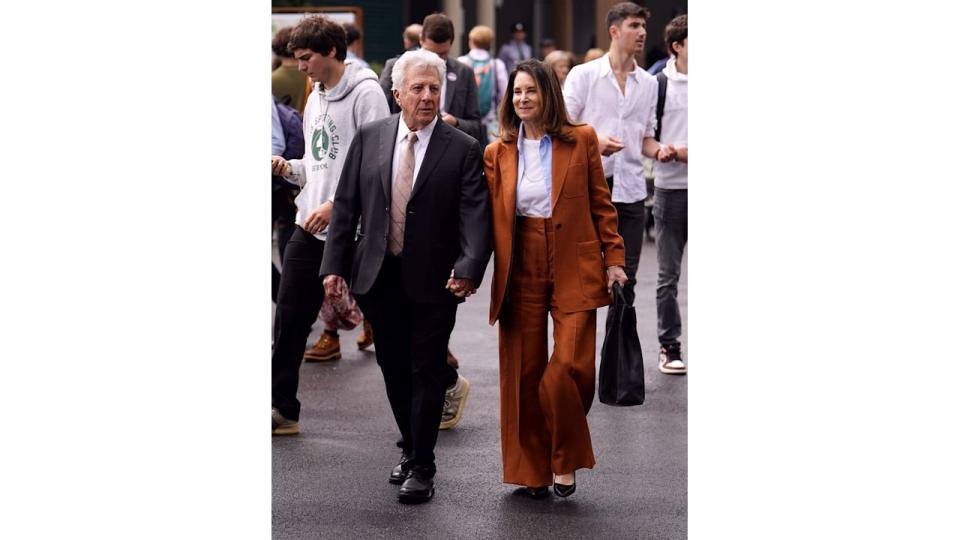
(661, 98)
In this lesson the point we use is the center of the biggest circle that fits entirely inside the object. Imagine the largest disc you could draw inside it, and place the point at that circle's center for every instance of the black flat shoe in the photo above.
(563, 490)
(400, 472)
(533, 492)
(417, 488)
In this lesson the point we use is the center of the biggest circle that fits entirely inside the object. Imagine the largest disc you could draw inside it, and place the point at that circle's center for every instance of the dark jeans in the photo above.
(670, 217)
(630, 217)
(412, 339)
(298, 304)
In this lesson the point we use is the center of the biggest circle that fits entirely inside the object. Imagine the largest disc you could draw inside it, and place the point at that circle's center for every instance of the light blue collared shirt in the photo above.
(530, 200)
(278, 142)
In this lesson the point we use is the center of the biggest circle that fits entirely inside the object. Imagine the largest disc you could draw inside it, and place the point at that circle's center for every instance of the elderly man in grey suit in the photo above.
(415, 185)
(459, 105)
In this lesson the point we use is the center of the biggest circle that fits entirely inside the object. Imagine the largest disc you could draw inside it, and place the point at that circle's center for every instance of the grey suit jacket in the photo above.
(448, 214)
(461, 100)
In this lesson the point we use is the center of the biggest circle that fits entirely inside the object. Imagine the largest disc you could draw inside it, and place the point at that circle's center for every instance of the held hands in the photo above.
(319, 218)
(460, 287)
(615, 273)
(609, 145)
(450, 119)
(279, 166)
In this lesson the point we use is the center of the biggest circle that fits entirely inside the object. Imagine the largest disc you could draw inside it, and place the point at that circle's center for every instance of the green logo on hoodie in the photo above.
(325, 142)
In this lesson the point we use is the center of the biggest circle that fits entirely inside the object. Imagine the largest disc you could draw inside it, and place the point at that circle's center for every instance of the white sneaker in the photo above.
(671, 361)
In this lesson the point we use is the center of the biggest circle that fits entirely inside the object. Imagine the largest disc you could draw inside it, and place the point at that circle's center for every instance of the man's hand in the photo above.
(609, 145)
(615, 273)
(682, 154)
(461, 287)
(319, 218)
(330, 284)
(280, 166)
(666, 153)
(450, 119)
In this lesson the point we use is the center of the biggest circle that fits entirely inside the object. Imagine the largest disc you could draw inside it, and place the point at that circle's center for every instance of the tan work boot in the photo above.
(326, 349)
(283, 426)
(365, 339)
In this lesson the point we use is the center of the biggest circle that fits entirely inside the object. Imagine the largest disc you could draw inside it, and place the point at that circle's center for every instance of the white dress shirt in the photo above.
(592, 95)
(534, 176)
(419, 148)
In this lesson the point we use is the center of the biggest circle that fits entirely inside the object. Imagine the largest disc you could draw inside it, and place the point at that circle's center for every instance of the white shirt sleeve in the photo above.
(651, 128)
(573, 93)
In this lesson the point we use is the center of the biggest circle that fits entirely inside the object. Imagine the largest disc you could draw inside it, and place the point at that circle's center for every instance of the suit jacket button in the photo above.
(559, 225)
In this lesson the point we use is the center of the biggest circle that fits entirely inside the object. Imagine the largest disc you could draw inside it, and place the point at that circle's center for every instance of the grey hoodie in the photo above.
(330, 121)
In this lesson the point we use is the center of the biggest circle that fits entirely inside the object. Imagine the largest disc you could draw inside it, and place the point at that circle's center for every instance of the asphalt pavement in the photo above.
(331, 480)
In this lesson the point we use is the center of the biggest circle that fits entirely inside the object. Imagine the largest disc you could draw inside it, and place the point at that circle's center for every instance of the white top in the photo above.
(533, 199)
(419, 148)
(673, 175)
(593, 96)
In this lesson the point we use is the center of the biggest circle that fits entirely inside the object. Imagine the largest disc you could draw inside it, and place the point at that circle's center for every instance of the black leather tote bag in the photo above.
(621, 362)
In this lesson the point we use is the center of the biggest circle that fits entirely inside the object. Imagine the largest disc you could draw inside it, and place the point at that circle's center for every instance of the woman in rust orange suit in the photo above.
(556, 251)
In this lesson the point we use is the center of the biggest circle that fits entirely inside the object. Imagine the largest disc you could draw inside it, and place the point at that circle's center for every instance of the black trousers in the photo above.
(412, 339)
(630, 225)
(298, 304)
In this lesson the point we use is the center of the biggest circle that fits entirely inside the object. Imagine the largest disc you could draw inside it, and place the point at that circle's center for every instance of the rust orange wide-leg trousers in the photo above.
(543, 405)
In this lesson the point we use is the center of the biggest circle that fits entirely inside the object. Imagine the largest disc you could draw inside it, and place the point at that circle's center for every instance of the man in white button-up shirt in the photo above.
(619, 100)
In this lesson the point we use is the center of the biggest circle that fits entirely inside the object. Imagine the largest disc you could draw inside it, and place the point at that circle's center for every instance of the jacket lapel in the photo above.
(560, 164)
(508, 164)
(434, 153)
(388, 135)
(451, 85)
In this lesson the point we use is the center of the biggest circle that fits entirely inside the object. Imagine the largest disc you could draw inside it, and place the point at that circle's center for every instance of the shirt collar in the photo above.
(520, 138)
(422, 134)
(607, 69)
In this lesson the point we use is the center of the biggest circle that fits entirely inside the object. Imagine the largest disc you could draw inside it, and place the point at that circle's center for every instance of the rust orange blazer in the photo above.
(584, 221)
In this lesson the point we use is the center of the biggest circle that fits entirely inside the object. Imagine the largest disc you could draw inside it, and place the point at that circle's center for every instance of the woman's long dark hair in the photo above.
(554, 120)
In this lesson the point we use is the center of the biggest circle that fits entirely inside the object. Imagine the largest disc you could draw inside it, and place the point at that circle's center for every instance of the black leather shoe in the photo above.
(400, 472)
(563, 490)
(417, 488)
(533, 493)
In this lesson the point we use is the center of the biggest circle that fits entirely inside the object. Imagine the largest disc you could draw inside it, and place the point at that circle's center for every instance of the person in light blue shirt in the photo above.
(557, 255)
(278, 143)
(353, 38)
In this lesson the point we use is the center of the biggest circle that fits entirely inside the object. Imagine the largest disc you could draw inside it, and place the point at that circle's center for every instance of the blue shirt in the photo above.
(546, 164)
(277, 141)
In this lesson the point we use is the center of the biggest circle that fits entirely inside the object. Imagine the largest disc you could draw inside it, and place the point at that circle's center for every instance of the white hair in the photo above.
(417, 58)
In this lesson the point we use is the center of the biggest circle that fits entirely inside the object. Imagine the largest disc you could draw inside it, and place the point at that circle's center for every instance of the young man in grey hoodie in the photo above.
(345, 96)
